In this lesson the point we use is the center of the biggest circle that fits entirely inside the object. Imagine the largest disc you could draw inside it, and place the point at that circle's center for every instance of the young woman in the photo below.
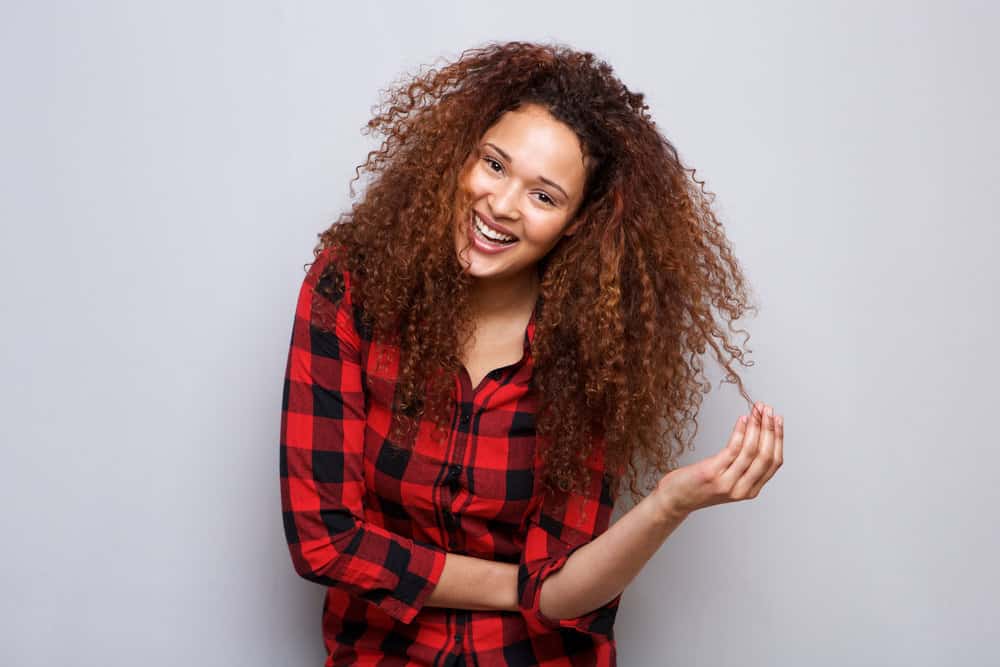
(499, 334)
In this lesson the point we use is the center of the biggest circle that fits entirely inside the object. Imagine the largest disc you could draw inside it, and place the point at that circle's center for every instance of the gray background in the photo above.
(165, 169)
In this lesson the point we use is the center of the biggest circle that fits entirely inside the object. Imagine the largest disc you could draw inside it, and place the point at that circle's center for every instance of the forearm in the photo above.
(476, 584)
(601, 569)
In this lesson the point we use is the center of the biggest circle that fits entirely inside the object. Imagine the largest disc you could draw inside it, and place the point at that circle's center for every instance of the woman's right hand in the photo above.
(738, 472)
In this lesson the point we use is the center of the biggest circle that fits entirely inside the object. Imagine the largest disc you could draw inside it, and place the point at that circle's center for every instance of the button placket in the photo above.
(454, 474)
(452, 479)
(459, 627)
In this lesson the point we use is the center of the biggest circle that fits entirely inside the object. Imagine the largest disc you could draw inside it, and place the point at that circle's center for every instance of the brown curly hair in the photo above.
(626, 301)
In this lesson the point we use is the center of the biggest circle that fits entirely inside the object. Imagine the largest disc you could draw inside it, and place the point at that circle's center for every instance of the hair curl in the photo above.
(626, 301)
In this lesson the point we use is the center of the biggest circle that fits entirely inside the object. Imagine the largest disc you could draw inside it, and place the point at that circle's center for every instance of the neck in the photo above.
(505, 297)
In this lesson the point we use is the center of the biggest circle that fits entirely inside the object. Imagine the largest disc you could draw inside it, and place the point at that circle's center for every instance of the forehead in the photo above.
(539, 144)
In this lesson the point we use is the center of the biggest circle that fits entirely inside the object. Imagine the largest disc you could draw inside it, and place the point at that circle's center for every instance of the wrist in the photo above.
(505, 579)
(666, 509)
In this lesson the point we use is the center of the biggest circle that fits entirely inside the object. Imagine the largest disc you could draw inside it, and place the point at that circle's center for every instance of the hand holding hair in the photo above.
(738, 472)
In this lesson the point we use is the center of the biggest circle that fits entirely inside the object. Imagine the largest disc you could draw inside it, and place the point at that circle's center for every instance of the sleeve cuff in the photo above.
(417, 581)
(599, 621)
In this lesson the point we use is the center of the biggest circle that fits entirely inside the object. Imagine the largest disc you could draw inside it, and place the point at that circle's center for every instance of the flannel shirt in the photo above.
(373, 522)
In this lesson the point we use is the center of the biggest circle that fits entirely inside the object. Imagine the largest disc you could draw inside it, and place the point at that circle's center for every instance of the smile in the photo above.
(487, 239)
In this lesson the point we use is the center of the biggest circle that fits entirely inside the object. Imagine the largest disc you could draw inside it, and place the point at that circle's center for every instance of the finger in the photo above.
(779, 442)
(728, 453)
(736, 437)
(763, 466)
(748, 449)
(778, 457)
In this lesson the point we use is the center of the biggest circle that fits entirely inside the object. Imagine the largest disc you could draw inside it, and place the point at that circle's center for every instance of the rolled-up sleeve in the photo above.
(558, 526)
(322, 466)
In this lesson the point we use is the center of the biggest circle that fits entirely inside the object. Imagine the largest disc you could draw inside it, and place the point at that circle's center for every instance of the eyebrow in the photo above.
(541, 178)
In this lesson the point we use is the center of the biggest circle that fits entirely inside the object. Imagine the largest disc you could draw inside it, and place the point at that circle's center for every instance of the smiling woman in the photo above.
(500, 334)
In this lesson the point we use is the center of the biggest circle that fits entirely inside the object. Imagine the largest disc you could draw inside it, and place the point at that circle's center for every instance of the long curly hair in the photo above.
(626, 302)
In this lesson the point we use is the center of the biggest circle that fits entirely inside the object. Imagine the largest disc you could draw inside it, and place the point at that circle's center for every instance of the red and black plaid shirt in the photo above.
(373, 522)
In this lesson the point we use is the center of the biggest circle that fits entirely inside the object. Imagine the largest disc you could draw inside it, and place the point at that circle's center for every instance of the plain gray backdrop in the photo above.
(166, 168)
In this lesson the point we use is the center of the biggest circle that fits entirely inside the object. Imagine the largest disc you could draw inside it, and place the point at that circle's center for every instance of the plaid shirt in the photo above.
(373, 523)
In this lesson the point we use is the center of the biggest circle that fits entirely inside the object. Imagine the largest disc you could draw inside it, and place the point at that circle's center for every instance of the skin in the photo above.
(504, 179)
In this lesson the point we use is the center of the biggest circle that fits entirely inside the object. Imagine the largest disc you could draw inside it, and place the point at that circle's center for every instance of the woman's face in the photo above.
(526, 179)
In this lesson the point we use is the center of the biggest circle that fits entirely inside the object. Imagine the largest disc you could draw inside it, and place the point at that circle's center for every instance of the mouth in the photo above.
(487, 238)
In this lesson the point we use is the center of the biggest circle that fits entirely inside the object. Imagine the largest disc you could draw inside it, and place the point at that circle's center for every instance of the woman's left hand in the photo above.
(753, 454)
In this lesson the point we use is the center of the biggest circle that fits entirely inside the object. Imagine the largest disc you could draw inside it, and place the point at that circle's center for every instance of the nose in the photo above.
(503, 200)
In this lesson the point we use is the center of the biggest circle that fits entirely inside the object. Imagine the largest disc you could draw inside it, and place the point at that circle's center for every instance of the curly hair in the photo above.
(626, 302)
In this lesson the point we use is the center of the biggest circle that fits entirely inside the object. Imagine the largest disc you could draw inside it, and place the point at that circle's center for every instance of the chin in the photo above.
(479, 269)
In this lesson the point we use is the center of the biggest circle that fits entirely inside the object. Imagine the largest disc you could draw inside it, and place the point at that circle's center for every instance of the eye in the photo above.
(491, 162)
(545, 198)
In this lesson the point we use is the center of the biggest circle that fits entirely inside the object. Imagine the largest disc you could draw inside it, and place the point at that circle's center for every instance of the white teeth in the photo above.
(490, 233)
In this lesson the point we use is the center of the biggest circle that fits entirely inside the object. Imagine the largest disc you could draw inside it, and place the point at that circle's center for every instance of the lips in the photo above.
(489, 222)
(482, 244)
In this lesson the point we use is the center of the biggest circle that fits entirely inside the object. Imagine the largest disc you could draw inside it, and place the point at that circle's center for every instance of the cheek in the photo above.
(544, 232)
(476, 184)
